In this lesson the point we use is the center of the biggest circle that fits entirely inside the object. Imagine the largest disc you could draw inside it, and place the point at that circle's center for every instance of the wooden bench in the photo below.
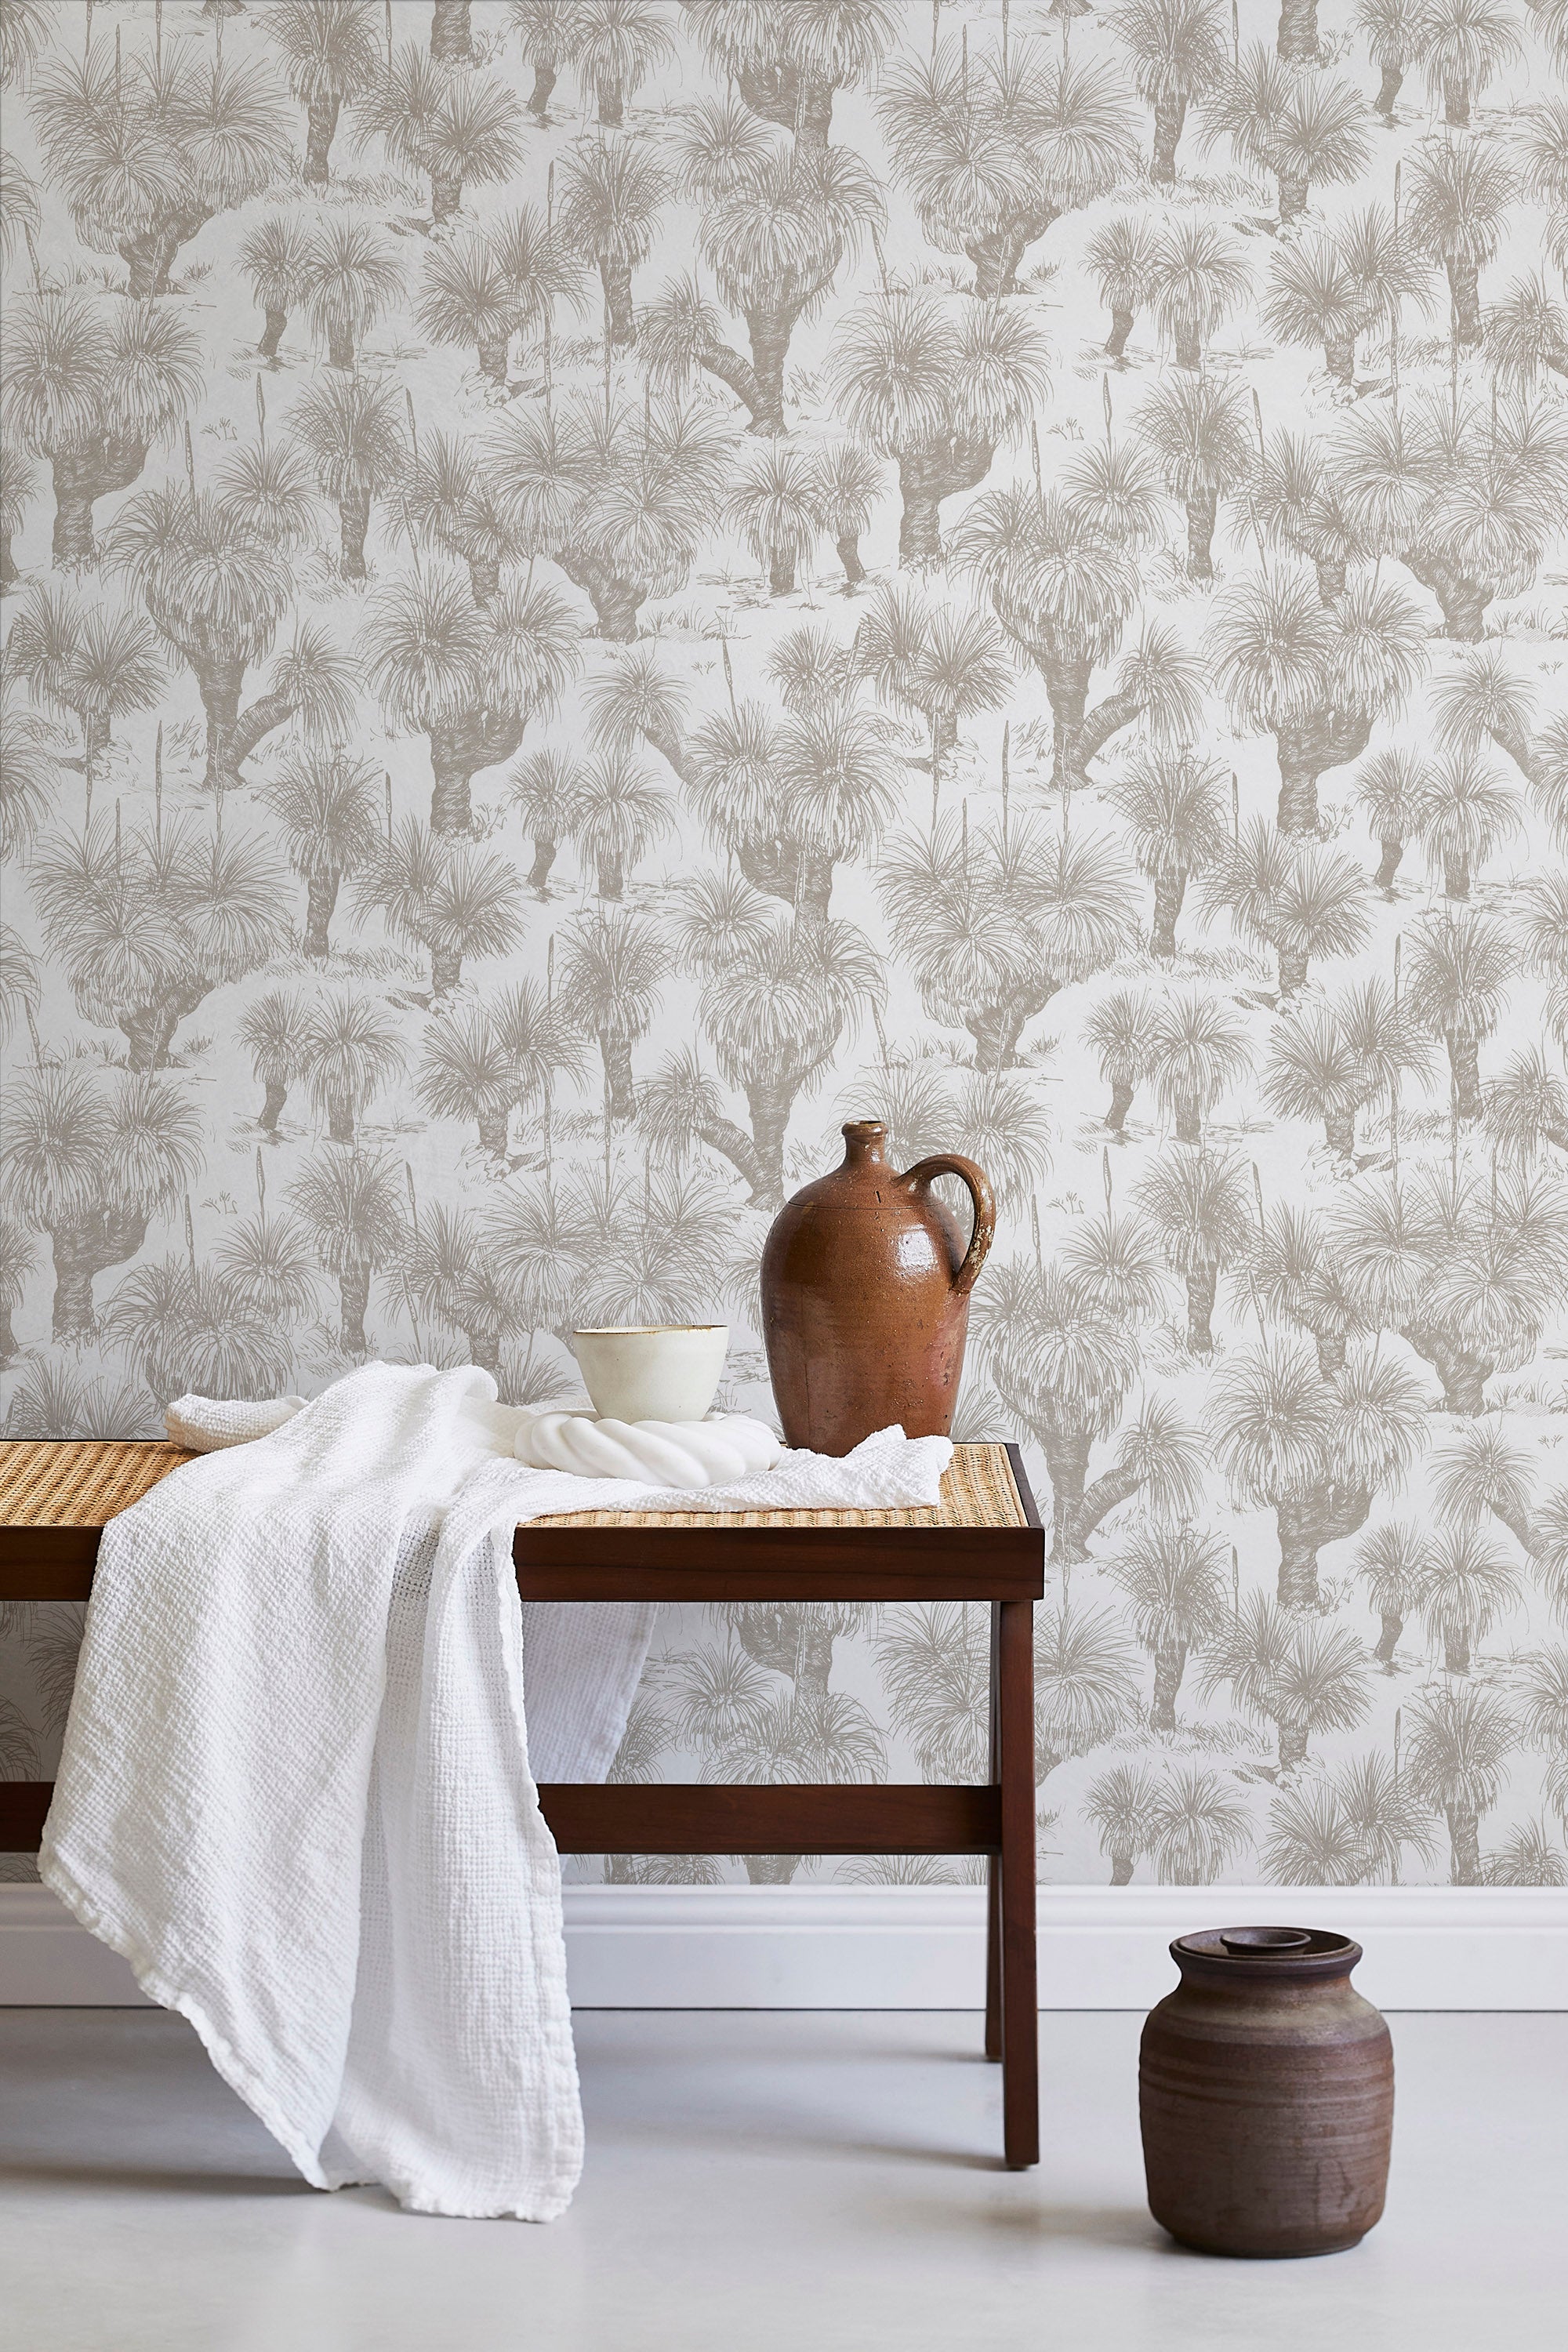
(982, 1542)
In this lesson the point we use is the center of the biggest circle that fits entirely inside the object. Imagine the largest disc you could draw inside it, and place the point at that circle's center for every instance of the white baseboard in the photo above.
(923, 1947)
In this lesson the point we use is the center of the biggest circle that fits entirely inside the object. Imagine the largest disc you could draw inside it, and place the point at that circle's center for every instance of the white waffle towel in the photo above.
(296, 1790)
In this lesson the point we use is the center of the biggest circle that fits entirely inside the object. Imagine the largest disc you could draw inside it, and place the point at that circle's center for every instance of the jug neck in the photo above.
(863, 1142)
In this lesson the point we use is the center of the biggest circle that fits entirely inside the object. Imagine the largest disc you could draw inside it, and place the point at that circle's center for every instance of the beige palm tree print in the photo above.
(594, 586)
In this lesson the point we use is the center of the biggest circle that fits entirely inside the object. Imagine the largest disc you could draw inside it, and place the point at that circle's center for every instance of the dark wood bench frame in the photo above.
(1004, 1566)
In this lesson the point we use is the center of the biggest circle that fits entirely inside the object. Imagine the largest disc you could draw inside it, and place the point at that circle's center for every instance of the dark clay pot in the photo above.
(1266, 2091)
(865, 1284)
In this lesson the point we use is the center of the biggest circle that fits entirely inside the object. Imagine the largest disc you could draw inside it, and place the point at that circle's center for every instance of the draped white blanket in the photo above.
(296, 1792)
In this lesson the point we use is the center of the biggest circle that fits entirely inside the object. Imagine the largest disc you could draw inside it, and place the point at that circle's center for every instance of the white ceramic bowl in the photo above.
(663, 1373)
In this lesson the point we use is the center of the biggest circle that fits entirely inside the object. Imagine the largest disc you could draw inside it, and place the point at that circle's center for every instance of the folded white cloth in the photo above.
(295, 1788)
(680, 1453)
(208, 1424)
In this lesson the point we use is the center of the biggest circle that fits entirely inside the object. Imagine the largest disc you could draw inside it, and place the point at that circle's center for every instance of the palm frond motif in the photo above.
(149, 151)
(1302, 1677)
(1306, 130)
(994, 148)
(458, 130)
(332, 54)
(446, 898)
(1178, 51)
(1459, 1738)
(1171, 1575)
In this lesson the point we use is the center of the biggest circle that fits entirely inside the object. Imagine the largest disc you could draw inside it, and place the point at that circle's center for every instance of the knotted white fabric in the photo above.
(678, 1453)
(296, 1792)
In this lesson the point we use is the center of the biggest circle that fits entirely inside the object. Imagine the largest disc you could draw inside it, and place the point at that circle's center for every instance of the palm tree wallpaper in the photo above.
(590, 587)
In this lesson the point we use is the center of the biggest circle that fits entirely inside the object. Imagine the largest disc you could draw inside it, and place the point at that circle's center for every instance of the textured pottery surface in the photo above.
(664, 1372)
(865, 1284)
(1265, 2093)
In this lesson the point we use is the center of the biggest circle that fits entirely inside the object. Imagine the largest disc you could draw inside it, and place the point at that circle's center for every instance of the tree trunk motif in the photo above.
(1294, 191)
(7, 1337)
(996, 256)
(1306, 747)
(446, 969)
(1457, 1651)
(926, 476)
(770, 1102)
(451, 36)
(1457, 105)
(275, 326)
(1067, 1460)
(1388, 1639)
(612, 878)
(798, 100)
(1464, 1847)
(1464, 600)
(1388, 90)
(848, 549)
(1463, 1374)
(1107, 717)
(219, 677)
(1122, 1093)
(340, 1119)
(1122, 322)
(459, 749)
(545, 849)
(1170, 1665)
(996, 1029)
(149, 1029)
(771, 1869)
(105, 1236)
(9, 575)
(150, 256)
(80, 475)
(1464, 294)
(445, 195)
(1464, 1063)
(1456, 877)
(1293, 1738)
(1323, 1515)
(340, 347)
(615, 601)
(1339, 1132)
(1067, 687)
(1339, 358)
(1297, 41)
(1393, 850)
(1202, 1284)
(354, 1298)
(612, 105)
(494, 1121)
(321, 128)
(780, 572)
(354, 522)
(538, 96)
(1170, 890)
(617, 277)
(1202, 506)
(321, 900)
(491, 351)
(1189, 350)
(1170, 117)
(616, 1050)
(272, 1108)
(1292, 970)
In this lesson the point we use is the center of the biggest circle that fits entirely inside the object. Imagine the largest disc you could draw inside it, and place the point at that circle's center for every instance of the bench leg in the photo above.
(1014, 1704)
(994, 1957)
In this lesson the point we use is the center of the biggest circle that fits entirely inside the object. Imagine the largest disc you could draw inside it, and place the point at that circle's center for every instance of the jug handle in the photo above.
(952, 1163)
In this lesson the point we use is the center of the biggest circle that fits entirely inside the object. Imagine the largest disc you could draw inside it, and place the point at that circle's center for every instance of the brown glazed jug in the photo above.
(865, 1284)
(1265, 2093)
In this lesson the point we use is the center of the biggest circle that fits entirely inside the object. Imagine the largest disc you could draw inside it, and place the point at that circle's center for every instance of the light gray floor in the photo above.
(763, 2183)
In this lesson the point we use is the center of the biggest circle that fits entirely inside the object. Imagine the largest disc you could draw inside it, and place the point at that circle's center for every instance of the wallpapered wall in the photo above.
(592, 589)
